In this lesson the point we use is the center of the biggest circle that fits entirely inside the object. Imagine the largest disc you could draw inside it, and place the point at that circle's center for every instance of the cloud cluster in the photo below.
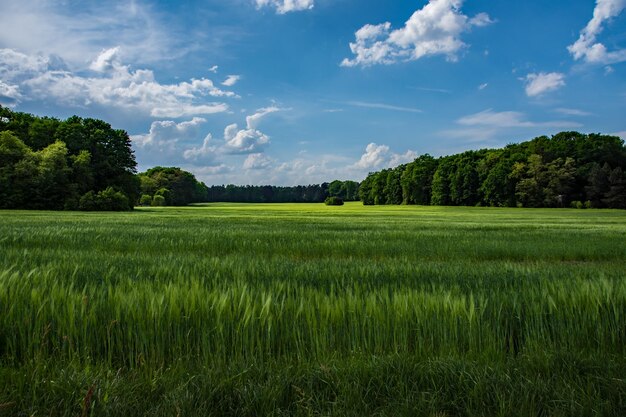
(433, 30)
(257, 161)
(587, 47)
(380, 156)
(9, 94)
(111, 84)
(539, 84)
(169, 142)
(286, 6)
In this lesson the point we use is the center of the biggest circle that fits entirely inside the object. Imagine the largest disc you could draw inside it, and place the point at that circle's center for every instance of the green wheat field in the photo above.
(309, 310)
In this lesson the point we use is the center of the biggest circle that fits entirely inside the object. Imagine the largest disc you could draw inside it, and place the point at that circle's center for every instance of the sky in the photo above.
(289, 92)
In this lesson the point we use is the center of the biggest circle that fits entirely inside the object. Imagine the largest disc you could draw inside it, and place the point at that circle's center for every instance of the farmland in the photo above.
(232, 309)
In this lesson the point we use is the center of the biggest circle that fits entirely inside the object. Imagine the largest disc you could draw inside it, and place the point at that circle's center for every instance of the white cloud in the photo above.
(9, 94)
(114, 85)
(17, 66)
(286, 6)
(380, 156)
(398, 159)
(433, 30)
(383, 106)
(572, 112)
(484, 126)
(508, 119)
(231, 80)
(483, 86)
(75, 30)
(214, 69)
(257, 161)
(244, 141)
(253, 120)
(587, 47)
(538, 84)
(165, 134)
(204, 153)
(107, 60)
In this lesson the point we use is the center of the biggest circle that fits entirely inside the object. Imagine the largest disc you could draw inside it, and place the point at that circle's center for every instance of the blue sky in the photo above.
(304, 91)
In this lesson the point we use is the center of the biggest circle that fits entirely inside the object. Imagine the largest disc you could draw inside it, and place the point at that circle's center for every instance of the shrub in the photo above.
(333, 201)
(107, 200)
(146, 200)
(158, 201)
(166, 194)
(577, 205)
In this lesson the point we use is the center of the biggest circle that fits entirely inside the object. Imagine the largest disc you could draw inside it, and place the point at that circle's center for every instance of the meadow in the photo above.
(304, 309)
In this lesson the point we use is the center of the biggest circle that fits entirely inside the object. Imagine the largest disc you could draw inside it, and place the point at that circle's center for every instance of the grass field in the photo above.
(254, 310)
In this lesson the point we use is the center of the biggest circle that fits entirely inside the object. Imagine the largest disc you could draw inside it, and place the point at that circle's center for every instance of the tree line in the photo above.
(315, 193)
(85, 164)
(568, 169)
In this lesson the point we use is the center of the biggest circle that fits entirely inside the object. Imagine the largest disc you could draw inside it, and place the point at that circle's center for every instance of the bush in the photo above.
(166, 194)
(145, 200)
(158, 201)
(107, 200)
(333, 201)
(577, 205)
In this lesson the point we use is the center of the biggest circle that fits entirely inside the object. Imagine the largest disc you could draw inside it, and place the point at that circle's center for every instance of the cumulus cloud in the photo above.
(257, 161)
(538, 84)
(231, 80)
(15, 65)
(435, 29)
(587, 47)
(249, 140)
(107, 60)
(9, 94)
(244, 141)
(165, 135)
(380, 156)
(113, 85)
(286, 6)
(202, 153)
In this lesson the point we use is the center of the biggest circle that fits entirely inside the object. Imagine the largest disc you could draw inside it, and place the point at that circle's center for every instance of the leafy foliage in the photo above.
(543, 172)
(333, 201)
(346, 190)
(50, 164)
(175, 186)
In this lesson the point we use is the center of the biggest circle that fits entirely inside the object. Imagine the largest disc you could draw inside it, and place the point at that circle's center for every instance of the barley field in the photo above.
(306, 309)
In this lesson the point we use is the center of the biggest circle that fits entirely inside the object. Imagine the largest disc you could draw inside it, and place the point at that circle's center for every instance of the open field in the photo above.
(288, 309)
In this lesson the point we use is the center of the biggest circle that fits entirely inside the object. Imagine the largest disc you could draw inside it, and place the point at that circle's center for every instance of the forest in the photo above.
(316, 193)
(569, 169)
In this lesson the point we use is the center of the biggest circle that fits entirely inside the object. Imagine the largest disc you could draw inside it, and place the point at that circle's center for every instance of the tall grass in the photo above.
(174, 293)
